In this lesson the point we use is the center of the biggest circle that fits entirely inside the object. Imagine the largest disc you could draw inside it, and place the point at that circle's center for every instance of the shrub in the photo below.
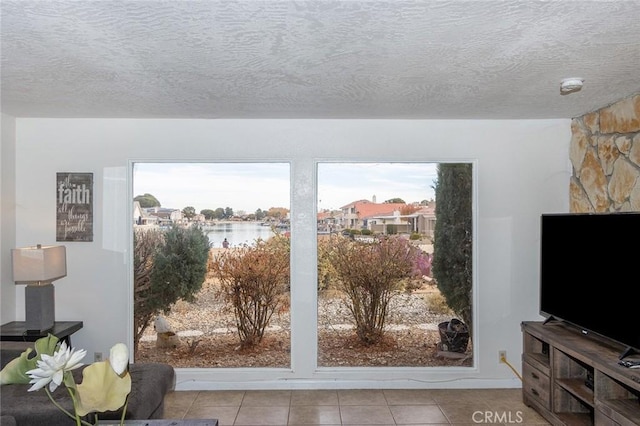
(255, 281)
(370, 275)
(327, 275)
(437, 303)
(412, 284)
(422, 263)
(145, 245)
(168, 266)
(421, 268)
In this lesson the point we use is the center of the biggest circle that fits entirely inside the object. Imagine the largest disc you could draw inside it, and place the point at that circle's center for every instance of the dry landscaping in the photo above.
(206, 336)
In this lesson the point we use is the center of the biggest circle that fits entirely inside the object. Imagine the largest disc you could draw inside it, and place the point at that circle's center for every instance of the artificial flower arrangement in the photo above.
(105, 385)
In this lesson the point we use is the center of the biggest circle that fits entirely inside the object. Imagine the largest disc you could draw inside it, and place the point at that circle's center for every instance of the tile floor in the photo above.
(354, 407)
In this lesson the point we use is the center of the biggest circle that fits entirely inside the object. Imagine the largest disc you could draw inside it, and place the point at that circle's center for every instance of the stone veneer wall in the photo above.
(605, 155)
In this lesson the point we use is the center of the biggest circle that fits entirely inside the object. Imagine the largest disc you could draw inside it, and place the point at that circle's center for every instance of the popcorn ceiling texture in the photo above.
(605, 155)
(489, 59)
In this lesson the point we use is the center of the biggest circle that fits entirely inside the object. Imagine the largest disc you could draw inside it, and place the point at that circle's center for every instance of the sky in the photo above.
(250, 186)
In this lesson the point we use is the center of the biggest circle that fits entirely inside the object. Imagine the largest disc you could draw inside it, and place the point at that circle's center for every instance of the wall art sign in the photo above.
(74, 207)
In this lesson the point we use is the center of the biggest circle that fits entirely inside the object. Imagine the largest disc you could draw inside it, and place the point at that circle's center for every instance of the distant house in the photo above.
(328, 221)
(379, 218)
(141, 216)
(157, 216)
(359, 214)
(383, 224)
(424, 220)
(166, 216)
(199, 218)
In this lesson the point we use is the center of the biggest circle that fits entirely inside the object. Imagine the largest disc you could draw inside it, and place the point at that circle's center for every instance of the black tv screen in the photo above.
(590, 274)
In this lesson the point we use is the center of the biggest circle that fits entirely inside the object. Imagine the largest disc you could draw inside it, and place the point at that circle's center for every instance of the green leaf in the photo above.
(101, 389)
(15, 371)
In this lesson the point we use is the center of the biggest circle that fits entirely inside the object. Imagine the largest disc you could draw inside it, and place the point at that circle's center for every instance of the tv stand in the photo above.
(575, 379)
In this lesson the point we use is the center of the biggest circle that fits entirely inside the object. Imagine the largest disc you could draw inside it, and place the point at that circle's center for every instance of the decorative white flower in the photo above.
(51, 368)
(105, 386)
(119, 358)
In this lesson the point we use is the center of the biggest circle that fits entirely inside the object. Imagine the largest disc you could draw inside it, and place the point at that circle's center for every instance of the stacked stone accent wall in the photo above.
(605, 155)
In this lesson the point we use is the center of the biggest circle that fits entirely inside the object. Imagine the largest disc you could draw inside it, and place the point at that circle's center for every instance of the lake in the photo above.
(237, 233)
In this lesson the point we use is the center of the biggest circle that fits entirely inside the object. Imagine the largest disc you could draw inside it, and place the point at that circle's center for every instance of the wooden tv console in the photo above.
(575, 379)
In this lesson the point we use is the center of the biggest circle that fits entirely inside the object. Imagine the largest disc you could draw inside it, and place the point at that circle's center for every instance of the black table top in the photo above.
(16, 331)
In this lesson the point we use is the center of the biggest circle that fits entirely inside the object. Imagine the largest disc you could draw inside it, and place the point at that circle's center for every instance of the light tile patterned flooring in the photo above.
(354, 407)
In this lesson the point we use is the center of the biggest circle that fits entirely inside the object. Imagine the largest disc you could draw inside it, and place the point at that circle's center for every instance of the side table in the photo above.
(16, 331)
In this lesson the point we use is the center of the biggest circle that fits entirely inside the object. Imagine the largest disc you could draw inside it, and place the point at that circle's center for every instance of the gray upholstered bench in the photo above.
(150, 382)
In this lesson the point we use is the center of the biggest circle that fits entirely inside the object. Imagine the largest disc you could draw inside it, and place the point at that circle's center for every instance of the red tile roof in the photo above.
(366, 209)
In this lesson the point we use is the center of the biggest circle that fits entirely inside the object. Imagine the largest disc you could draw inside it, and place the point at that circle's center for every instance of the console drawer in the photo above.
(536, 385)
(606, 416)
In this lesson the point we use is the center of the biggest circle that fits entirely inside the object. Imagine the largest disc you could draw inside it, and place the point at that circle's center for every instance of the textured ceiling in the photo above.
(316, 59)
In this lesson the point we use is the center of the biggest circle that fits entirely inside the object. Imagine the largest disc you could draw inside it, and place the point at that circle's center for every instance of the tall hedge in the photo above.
(453, 238)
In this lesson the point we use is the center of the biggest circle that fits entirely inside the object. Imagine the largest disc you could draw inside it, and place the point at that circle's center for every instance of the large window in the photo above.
(379, 301)
(237, 313)
(384, 296)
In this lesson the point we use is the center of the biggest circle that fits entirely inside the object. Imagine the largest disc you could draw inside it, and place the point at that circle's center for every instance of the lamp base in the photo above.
(39, 307)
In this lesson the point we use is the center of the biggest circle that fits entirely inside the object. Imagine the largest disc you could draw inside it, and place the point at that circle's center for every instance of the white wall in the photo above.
(7, 218)
(522, 171)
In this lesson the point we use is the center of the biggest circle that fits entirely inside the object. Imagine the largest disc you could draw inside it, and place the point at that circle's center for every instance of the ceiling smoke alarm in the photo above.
(570, 85)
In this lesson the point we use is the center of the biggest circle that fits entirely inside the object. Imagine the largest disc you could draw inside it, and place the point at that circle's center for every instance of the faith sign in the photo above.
(74, 207)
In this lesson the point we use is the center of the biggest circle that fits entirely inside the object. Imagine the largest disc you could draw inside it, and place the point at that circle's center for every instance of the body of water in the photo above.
(237, 233)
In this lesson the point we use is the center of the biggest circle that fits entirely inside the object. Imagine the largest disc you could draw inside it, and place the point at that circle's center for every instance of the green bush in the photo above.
(169, 266)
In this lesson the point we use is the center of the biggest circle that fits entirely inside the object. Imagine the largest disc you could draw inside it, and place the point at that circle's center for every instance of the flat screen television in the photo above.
(590, 274)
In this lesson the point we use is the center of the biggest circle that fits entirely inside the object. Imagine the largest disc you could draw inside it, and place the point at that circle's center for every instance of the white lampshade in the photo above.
(39, 264)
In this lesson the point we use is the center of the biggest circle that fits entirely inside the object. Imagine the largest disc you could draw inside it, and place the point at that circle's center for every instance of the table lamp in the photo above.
(38, 267)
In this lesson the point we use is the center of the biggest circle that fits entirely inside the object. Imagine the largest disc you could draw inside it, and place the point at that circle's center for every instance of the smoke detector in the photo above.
(571, 85)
